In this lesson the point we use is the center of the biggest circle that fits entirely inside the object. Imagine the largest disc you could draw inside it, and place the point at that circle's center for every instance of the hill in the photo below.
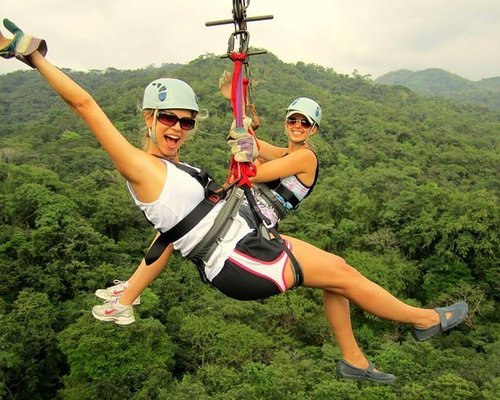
(407, 192)
(438, 82)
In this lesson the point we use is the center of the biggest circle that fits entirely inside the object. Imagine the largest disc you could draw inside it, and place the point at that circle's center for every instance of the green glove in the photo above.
(243, 145)
(21, 45)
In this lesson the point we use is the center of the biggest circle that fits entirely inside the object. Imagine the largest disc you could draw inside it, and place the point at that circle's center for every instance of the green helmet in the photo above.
(306, 107)
(169, 93)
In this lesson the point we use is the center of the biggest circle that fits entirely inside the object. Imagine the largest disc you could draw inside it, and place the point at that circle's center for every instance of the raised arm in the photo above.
(302, 163)
(129, 160)
(268, 151)
(126, 157)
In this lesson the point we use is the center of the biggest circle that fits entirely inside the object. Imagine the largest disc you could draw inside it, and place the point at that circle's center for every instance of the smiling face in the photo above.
(171, 131)
(299, 128)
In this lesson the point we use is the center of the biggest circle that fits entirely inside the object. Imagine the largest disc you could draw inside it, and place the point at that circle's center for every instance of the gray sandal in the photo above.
(458, 313)
(346, 370)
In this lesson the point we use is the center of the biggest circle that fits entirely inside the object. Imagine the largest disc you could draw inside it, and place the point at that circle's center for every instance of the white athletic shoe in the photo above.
(114, 292)
(112, 311)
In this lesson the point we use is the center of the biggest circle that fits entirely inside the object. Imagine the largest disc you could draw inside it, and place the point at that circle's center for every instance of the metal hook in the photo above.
(240, 26)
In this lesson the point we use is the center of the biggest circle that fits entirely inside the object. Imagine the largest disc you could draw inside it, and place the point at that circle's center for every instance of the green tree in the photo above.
(132, 359)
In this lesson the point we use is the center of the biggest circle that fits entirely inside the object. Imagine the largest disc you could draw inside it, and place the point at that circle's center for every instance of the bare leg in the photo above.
(339, 317)
(330, 272)
(143, 276)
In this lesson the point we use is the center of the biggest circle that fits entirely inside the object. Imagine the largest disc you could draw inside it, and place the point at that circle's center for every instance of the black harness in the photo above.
(213, 194)
(297, 269)
(268, 190)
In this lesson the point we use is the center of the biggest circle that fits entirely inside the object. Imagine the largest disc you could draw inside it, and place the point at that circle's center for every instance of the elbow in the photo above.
(82, 104)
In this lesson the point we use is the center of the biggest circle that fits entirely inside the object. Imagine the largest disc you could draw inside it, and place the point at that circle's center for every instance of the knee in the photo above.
(345, 269)
(330, 272)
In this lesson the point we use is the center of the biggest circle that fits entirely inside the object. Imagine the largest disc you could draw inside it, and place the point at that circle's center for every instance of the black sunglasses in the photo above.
(170, 119)
(303, 121)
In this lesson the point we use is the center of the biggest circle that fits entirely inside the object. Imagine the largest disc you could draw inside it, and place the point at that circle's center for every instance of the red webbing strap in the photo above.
(239, 171)
(237, 90)
(246, 82)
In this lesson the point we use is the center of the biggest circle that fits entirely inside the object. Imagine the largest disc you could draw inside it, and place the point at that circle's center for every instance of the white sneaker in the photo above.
(114, 292)
(112, 311)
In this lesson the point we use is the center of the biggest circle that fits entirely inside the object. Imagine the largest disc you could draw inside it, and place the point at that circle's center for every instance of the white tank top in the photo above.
(179, 196)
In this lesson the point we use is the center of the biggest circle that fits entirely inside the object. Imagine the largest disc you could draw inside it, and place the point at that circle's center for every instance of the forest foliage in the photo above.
(408, 193)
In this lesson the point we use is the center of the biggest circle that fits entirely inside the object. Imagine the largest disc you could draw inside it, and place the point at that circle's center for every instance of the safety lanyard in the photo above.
(239, 88)
(242, 172)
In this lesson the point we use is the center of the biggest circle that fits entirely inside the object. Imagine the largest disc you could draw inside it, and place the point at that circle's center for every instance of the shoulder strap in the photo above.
(213, 194)
(316, 173)
(178, 231)
(203, 177)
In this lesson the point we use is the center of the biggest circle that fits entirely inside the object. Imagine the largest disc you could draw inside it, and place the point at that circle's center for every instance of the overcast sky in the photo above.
(370, 36)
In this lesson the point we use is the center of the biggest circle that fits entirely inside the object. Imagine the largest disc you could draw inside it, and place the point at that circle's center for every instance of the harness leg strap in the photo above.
(297, 269)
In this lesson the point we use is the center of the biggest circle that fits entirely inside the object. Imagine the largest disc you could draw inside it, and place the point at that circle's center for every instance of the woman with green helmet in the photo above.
(160, 96)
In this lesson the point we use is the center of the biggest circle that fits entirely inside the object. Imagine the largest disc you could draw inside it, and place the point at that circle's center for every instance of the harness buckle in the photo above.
(267, 223)
(213, 198)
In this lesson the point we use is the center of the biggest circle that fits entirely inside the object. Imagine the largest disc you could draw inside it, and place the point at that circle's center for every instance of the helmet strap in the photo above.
(314, 125)
(306, 140)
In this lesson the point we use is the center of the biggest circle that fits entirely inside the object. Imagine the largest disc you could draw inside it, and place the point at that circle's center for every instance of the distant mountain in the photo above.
(434, 82)
(491, 83)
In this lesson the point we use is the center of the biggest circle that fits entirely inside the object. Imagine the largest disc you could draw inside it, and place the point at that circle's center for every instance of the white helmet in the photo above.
(306, 107)
(169, 93)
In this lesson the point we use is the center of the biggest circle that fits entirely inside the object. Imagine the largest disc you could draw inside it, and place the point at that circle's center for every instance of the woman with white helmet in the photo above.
(168, 94)
(247, 266)
(287, 175)
(159, 96)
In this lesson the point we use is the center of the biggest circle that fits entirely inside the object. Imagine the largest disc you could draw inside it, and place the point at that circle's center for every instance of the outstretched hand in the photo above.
(21, 45)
